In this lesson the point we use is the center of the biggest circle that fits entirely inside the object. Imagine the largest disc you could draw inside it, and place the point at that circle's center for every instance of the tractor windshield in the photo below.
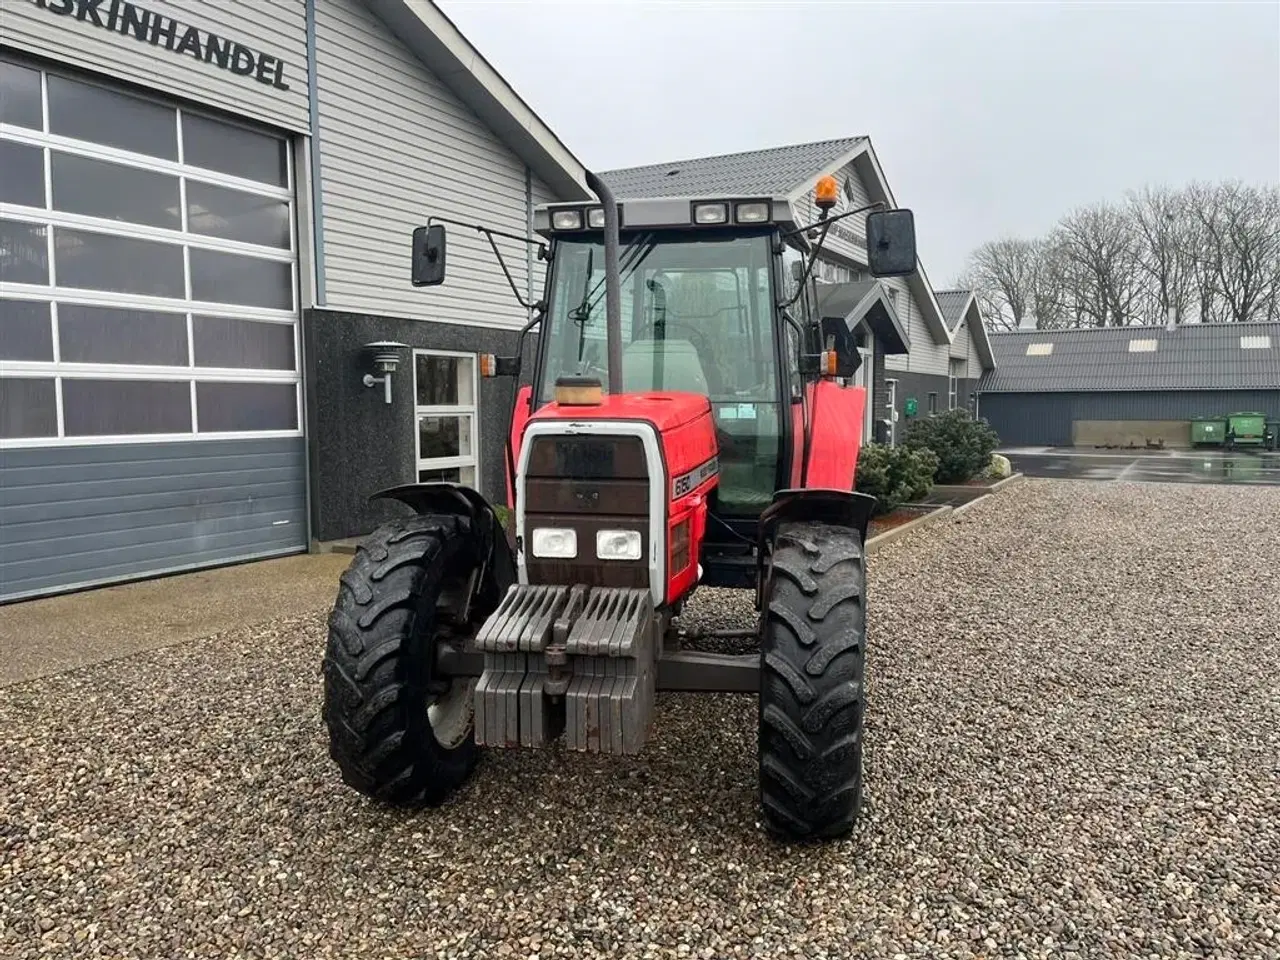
(697, 315)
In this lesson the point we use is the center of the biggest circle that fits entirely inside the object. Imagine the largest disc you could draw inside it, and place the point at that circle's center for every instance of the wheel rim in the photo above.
(451, 714)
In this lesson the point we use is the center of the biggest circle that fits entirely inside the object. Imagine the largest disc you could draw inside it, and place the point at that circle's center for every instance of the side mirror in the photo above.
(891, 243)
(428, 256)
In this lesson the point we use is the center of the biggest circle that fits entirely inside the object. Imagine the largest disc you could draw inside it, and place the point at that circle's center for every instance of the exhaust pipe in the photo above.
(612, 282)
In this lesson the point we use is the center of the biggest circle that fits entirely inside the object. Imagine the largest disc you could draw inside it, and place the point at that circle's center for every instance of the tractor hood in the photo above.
(867, 300)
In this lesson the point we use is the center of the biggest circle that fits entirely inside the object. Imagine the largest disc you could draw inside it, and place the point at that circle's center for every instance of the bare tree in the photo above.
(1206, 252)
(1166, 230)
(1100, 265)
(1240, 242)
(1003, 271)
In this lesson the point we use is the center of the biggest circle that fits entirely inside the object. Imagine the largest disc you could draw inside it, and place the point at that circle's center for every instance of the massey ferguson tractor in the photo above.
(687, 422)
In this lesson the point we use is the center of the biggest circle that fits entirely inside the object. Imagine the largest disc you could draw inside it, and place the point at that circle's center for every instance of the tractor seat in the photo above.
(681, 369)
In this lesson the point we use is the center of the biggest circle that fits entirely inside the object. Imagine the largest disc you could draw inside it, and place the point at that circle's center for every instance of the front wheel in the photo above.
(812, 698)
(398, 733)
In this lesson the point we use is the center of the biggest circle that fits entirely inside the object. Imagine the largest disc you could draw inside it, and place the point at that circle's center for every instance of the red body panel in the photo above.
(836, 414)
(524, 399)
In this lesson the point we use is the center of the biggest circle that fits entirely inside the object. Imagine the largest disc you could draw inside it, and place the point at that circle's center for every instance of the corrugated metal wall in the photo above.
(73, 516)
(1045, 419)
(105, 37)
(396, 147)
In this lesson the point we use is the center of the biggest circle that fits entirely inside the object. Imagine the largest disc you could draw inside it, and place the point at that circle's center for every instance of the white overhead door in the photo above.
(150, 409)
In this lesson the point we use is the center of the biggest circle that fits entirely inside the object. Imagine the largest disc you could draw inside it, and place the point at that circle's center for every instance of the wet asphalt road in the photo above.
(1159, 466)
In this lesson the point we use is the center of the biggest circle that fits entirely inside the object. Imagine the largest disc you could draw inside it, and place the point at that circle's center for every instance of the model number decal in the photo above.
(687, 482)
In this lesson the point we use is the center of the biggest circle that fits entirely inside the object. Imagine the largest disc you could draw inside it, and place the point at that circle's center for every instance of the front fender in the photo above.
(843, 508)
(457, 500)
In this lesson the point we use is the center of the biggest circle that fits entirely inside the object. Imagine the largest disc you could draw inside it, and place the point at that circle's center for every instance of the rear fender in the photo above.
(457, 500)
(842, 508)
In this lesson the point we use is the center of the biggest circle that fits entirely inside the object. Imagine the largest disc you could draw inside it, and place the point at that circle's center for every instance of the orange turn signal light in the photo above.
(488, 365)
(826, 192)
(828, 364)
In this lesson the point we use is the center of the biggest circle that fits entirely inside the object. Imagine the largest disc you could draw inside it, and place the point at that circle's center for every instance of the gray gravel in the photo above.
(1073, 752)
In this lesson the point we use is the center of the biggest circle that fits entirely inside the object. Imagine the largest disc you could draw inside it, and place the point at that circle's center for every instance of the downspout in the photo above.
(528, 248)
(317, 189)
(309, 452)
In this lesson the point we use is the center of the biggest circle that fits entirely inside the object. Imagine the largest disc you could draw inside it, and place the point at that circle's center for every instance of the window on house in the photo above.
(444, 387)
(953, 383)
(933, 403)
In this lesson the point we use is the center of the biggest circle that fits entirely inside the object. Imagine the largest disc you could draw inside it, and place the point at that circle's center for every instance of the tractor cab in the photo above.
(700, 283)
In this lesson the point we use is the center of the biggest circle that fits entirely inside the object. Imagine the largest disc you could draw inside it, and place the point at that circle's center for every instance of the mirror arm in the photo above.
(840, 216)
(808, 267)
(489, 235)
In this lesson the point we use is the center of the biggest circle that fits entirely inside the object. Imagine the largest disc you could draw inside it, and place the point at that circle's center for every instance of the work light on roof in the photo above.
(751, 212)
(710, 213)
(568, 219)
(595, 218)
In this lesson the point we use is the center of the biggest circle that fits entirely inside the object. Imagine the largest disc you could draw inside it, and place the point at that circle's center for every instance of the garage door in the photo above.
(149, 362)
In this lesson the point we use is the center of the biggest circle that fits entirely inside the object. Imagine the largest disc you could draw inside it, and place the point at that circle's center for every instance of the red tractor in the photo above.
(687, 423)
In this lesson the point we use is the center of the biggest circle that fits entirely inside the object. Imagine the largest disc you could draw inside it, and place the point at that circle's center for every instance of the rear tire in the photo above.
(812, 698)
(379, 692)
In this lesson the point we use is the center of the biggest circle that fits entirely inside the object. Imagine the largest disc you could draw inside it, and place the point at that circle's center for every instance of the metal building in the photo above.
(205, 215)
(1127, 385)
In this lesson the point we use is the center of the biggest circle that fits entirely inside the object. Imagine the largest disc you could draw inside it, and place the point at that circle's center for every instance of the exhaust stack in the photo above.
(612, 282)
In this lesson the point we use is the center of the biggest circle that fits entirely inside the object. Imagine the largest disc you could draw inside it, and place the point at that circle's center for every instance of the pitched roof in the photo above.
(774, 171)
(953, 303)
(1192, 356)
(956, 307)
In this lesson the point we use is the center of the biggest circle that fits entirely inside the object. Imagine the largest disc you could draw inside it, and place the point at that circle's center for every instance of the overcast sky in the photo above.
(988, 118)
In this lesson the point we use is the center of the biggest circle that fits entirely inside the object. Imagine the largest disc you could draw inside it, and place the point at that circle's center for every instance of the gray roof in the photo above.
(777, 170)
(953, 303)
(1192, 356)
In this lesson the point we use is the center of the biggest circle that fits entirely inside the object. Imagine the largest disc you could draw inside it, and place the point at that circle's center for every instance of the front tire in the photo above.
(812, 698)
(397, 733)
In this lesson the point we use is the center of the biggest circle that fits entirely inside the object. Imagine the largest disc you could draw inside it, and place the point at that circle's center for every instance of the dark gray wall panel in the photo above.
(1044, 419)
(360, 443)
(75, 516)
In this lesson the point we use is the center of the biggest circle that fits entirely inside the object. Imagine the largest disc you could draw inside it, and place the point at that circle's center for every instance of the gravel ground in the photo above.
(1073, 751)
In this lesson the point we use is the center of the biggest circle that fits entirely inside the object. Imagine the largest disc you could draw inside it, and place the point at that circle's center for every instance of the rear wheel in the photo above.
(398, 733)
(812, 698)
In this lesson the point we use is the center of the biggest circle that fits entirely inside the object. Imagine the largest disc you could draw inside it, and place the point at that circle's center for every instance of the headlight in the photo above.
(555, 543)
(710, 213)
(595, 218)
(566, 219)
(618, 544)
(752, 212)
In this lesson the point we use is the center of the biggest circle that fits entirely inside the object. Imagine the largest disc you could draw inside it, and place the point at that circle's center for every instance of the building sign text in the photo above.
(130, 19)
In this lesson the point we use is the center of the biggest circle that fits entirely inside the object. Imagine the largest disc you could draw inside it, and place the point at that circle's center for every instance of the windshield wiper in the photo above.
(581, 314)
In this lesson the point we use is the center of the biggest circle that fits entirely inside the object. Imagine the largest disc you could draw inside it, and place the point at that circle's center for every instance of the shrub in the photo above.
(894, 475)
(503, 512)
(962, 444)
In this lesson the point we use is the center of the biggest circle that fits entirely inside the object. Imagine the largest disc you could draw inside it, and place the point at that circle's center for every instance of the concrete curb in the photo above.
(964, 488)
(960, 510)
(880, 540)
(1008, 481)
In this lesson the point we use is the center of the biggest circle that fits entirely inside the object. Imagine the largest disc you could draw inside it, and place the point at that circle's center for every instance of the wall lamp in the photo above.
(386, 357)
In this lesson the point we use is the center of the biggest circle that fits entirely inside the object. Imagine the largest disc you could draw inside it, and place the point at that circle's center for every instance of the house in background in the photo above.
(1121, 385)
(943, 357)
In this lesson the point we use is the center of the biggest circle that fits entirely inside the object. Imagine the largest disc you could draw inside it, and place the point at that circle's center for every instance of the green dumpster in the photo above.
(1246, 429)
(1208, 431)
